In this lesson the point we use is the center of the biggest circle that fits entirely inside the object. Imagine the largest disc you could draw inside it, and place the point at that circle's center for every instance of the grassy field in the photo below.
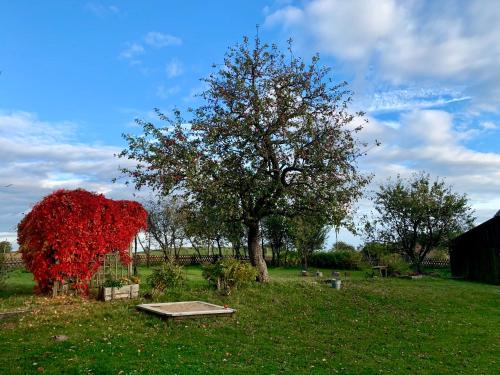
(292, 326)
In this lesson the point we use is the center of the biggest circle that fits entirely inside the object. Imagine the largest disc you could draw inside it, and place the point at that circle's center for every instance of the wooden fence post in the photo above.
(130, 264)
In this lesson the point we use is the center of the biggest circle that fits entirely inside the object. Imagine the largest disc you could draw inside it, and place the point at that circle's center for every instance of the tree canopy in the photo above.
(273, 137)
(5, 247)
(416, 215)
(342, 246)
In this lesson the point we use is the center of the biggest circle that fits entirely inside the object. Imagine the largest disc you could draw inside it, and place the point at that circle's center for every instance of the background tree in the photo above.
(274, 136)
(5, 247)
(277, 232)
(146, 244)
(167, 219)
(309, 234)
(342, 246)
(235, 233)
(417, 215)
(374, 251)
(205, 228)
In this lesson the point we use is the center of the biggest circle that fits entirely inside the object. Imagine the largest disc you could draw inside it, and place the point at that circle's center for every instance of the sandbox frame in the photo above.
(161, 309)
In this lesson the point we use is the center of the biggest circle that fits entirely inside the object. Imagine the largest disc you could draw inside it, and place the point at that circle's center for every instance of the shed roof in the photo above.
(495, 220)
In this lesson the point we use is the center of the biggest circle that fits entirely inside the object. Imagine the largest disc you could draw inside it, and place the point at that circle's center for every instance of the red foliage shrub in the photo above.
(63, 236)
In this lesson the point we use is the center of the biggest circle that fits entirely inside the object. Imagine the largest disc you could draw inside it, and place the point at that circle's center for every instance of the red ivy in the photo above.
(63, 236)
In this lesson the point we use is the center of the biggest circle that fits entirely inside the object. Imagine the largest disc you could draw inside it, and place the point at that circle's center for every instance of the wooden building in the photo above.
(475, 255)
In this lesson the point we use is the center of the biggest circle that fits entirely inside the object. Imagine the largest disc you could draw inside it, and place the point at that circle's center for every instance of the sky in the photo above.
(75, 75)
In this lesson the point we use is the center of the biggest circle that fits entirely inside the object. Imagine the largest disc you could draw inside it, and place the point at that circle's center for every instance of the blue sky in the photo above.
(75, 74)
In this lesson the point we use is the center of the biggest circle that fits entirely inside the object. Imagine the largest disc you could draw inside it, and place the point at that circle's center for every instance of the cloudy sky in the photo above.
(75, 74)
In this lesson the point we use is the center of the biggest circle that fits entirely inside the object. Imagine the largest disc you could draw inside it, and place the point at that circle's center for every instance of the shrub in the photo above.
(347, 260)
(64, 236)
(168, 275)
(292, 259)
(228, 274)
(395, 263)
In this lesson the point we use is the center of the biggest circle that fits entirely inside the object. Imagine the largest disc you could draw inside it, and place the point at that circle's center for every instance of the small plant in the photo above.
(228, 274)
(167, 276)
(113, 282)
(135, 279)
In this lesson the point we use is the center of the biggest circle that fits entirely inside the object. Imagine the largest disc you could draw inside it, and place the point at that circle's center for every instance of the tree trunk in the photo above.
(415, 263)
(418, 267)
(262, 244)
(255, 251)
(273, 253)
(219, 247)
(195, 247)
(236, 250)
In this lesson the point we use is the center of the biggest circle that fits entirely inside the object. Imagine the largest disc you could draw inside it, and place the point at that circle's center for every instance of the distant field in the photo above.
(293, 325)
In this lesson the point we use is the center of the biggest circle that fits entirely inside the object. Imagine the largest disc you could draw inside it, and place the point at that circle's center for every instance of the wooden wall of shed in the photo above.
(475, 255)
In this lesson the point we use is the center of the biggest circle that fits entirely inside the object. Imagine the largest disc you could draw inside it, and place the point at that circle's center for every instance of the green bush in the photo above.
(228, 274)
(292, 259)
(395, 263)
(346, 260)
(168, 275)
(342, 246)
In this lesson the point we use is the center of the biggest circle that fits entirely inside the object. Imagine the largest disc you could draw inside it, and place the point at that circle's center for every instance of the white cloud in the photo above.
(349, 29)
(174, 68)
(454, 42)
(488, 125)
(410, 98)
(132, 50)
(153, 39)
(101, 10)
(432, 141)
(164, 92)
(159, 40)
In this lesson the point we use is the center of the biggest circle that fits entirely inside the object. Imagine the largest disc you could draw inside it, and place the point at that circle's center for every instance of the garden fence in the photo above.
(155, 260)
(436, 263)
(10, 264)
(185, 260)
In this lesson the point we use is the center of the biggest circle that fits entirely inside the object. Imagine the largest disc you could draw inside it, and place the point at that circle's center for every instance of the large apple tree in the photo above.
(274, 136)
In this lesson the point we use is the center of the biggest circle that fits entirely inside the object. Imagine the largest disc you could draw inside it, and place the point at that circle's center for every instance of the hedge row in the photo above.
(346, 260)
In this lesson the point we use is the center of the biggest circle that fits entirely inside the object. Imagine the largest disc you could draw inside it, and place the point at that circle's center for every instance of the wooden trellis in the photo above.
(112, 268)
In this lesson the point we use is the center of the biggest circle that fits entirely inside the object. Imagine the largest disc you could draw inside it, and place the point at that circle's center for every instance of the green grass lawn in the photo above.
(291, 326)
